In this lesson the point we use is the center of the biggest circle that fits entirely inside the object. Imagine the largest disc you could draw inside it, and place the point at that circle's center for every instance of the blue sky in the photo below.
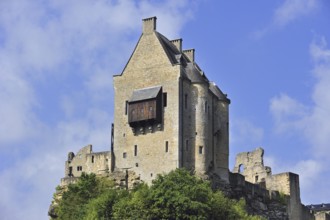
(57, 59)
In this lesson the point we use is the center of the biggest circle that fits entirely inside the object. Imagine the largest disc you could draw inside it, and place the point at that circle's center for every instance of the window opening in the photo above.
(185, 101)
(135, 150)
(187, 143)
(126, 107)
(92, 159)
(241, 168)
(70, 171)
(205, 107)
(200, 149)
(124, 155)
(166, 146)
(256, 178)
(164, 99)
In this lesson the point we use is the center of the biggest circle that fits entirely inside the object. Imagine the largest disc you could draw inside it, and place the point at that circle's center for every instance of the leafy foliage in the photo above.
(177, 195)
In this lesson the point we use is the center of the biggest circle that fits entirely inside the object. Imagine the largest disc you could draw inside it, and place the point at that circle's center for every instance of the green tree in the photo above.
(177, 195)
(76, 198)
(100, 208)
(136, 205)
(180, 195)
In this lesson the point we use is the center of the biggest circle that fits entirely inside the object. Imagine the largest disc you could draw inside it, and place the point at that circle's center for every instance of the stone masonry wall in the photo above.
(87, 161)
(148, 66)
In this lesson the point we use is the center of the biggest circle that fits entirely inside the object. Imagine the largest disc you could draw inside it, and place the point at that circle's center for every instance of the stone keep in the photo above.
(167, 113)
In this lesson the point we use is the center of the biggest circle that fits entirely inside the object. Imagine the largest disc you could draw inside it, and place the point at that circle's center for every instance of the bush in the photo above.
(177, 195)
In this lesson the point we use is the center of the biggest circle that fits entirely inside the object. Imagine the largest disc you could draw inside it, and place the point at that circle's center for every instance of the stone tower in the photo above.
(167, 113)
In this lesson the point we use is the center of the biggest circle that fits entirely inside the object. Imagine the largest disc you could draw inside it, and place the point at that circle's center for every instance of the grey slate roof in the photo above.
(171, 50)
(320, 207)
(192, 70)
(146, 93)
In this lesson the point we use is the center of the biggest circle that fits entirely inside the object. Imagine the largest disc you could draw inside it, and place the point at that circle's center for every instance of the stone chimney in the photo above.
(177, 43)
(149, 25)
(190, 54)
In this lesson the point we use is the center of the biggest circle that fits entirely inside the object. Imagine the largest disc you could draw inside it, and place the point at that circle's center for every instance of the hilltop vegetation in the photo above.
(177, 195)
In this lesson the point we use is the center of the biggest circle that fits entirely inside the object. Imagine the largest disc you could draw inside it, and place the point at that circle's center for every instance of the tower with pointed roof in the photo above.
(167, 113)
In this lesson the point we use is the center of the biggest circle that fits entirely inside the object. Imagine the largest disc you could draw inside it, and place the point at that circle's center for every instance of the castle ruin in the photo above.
(168, 115)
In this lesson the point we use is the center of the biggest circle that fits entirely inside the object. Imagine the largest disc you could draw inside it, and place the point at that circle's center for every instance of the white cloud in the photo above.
(57, 59)
(244, 131)
(291, 10)
(288, 12)
(287, 113)
(292, 116)
(309, 171)
(311, 122)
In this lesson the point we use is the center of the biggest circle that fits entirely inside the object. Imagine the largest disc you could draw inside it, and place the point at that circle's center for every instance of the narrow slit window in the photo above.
(126, 107)
(135, 150)
(187, 143)
(92, 159)
(185, 101)
(166, 146)
(200, 149)
(164, 99)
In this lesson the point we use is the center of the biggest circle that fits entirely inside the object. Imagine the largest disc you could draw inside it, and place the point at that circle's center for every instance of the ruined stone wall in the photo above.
(322, 216)
(87, 161)
(251, 165)
(284, 183)
(287, 183)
